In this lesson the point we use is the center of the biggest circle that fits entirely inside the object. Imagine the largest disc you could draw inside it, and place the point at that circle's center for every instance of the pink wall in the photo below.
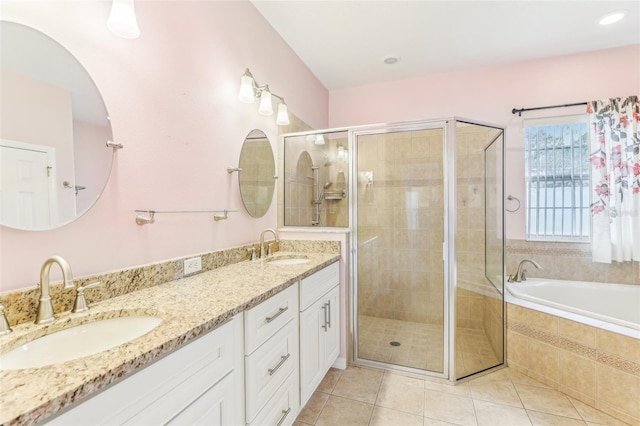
(89, 143)
(489, 94)
(171, 95)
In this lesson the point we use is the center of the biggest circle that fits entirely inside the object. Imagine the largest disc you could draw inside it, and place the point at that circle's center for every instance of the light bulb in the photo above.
(282, 119)
(245, 94)
(265, 107)
(122, 19)
(319, 140)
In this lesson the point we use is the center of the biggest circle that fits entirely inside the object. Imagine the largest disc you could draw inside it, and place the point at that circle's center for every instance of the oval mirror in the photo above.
(257, 174)
(54, 158)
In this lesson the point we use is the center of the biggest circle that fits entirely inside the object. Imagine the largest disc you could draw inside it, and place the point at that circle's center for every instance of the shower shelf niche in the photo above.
(335, 195)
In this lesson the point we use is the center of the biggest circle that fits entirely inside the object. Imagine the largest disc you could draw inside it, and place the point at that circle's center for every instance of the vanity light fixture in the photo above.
(122, 19)
(246, 94)
(250, 90)
(265, 107)
(282, 119)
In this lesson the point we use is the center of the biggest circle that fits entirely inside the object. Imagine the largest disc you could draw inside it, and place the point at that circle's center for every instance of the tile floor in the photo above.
(363, 396)
(421, 345)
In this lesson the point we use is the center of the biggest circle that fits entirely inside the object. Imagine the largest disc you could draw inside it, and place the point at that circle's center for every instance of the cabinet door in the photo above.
(312, 333)
(332, 335)
(216, 407)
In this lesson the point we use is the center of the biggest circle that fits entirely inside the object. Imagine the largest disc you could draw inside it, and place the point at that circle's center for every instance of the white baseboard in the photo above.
(340, 364)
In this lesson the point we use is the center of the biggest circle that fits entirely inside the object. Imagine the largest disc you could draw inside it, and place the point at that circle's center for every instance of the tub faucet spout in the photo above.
(45, 307)
(520, 274)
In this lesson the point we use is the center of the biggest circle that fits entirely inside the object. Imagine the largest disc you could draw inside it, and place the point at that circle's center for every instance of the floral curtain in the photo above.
(615, 179)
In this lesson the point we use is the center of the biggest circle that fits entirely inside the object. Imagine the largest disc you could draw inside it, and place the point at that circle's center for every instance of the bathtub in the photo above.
(611, 306)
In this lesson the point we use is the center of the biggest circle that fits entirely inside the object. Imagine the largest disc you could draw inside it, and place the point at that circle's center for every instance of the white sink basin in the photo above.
(287, 260)
(77, 342)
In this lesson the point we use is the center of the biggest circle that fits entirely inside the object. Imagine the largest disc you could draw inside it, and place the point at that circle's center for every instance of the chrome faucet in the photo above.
(521, 271)
(275, 234)
(45, 307)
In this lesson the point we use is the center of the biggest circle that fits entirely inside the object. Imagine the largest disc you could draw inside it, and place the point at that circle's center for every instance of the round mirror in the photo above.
(257, 174)
(54, 158)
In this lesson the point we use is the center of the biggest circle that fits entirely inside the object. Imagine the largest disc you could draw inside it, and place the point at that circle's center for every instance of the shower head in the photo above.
(328, 185)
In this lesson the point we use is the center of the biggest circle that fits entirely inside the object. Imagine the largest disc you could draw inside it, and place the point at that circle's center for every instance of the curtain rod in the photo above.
(521, 110)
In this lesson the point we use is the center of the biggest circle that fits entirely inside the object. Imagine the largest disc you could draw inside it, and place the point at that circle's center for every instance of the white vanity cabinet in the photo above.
(257, 369)
(319, 327)
(199, 384)
(271, 360)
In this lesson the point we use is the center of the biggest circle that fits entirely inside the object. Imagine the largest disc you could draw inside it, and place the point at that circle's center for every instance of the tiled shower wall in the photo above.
(400, 225)
(404, 245)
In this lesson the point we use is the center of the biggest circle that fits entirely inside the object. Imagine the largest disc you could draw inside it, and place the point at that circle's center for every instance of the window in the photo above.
(556, 153)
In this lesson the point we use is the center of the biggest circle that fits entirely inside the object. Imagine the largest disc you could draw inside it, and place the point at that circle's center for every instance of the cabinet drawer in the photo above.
(264, 320)
(269, 366)
(282, 409)
(314, 286)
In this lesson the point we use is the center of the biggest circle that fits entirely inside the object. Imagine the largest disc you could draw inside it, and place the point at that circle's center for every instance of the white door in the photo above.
(27, 193)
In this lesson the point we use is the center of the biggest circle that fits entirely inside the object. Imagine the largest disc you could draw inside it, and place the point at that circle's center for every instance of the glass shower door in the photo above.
(399, 223)
(479, 249)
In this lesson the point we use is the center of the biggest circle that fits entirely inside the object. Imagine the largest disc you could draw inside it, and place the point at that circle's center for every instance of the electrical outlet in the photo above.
(193, 265)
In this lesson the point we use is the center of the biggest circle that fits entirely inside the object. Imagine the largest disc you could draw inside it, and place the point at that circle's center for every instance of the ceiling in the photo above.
(344, 43)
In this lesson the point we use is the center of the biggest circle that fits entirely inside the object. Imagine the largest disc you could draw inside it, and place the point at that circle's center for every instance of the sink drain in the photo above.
(394, 343)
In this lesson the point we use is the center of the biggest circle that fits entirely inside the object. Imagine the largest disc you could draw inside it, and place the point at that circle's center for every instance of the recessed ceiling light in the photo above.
(390, 60)
(612, 17)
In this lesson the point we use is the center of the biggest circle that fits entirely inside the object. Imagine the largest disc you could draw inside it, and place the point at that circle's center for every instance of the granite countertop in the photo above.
(188, 308)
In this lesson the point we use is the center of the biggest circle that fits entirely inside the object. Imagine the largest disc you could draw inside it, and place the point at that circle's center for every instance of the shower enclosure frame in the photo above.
(448, 126)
